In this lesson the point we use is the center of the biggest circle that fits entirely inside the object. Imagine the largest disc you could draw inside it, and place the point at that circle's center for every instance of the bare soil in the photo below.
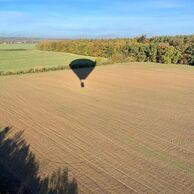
(129, 130)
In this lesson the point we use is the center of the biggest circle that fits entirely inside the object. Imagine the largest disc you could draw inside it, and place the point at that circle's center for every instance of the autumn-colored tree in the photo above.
(162, 49)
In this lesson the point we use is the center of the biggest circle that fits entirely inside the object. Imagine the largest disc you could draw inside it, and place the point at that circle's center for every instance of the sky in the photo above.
(95, 18)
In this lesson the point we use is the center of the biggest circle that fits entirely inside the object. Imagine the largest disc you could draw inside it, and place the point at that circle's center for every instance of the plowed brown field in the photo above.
(130, 130)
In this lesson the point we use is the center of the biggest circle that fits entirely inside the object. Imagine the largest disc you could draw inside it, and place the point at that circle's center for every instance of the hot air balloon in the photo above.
(82, 68)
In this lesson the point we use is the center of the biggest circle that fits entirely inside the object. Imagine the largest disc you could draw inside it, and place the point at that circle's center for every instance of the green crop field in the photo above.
(23, 57)
(21, 46)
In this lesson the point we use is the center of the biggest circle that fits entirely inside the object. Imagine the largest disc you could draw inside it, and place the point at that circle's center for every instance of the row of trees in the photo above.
(164, 49)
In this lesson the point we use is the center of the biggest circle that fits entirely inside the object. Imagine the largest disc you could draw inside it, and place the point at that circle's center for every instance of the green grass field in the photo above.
(23, 57)
(17, 46)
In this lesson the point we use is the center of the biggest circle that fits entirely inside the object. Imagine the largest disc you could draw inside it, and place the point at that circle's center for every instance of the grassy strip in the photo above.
(33, 70)
(99, 61)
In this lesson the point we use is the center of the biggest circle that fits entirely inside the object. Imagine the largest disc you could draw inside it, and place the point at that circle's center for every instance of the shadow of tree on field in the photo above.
(82, 68)
(19, 170)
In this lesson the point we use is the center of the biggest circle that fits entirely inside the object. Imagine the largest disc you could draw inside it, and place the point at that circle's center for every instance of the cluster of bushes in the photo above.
(164, 49)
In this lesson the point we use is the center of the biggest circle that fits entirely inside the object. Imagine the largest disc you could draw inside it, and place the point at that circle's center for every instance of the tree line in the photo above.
(161, 49)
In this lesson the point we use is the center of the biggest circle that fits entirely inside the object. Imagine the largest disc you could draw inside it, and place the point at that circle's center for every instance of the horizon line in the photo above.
(92, 37)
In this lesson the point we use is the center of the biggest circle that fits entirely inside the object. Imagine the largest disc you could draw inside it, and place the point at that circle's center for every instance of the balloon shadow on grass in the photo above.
(82, 68)
(19, 170)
